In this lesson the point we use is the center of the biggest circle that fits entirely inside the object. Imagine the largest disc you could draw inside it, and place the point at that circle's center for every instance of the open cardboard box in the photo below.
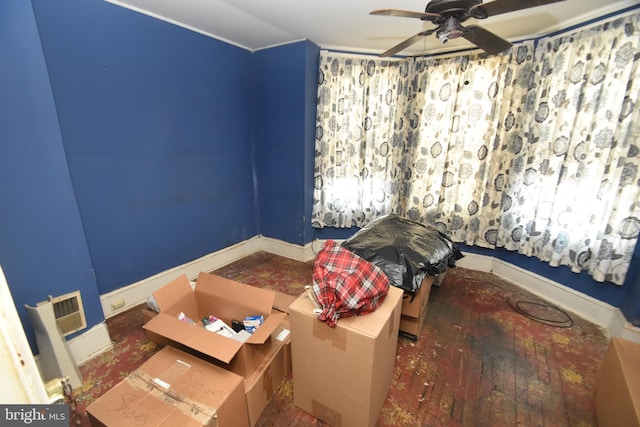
(170, 389)
(225, 299)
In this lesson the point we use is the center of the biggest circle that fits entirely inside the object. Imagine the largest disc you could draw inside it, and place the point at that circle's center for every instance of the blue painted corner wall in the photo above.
(286, 85)
(156, 124)
(126, 149)
(43, 246)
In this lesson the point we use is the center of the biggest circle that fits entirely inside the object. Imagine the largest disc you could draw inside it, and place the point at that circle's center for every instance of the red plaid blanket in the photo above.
(345, 284)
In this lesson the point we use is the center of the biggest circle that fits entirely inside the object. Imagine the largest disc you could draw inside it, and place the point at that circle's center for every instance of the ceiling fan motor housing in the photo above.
(458, 8)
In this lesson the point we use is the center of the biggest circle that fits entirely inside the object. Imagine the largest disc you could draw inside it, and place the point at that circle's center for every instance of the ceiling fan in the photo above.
(449, 15)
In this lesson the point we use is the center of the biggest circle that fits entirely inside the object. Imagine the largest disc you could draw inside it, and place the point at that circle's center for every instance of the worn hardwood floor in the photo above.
(477, 362)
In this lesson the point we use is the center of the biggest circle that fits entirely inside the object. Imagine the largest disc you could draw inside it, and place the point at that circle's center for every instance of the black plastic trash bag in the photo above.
(405, 250)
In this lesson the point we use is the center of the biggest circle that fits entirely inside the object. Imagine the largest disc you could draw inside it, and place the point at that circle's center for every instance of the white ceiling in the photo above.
(346, 24)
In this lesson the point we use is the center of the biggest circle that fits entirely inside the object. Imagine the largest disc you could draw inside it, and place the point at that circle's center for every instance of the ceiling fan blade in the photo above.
(408, 42)
(405, 14)
(486, 40)
(496, 7)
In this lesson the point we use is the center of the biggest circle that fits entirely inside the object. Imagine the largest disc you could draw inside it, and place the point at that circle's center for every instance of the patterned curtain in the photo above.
(572, 195)
(535, 150)
(357, 176)
(458, 158)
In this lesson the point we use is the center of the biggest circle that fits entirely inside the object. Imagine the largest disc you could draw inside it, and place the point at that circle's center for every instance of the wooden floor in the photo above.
(477, 362)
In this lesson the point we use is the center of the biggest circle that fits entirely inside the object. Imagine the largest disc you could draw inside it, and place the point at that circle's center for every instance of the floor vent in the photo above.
(69, 313)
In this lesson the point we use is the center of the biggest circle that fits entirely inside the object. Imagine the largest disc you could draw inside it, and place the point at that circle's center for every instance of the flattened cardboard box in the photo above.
(342, 375)
(171, 389)
(618, 385)
(225, 299)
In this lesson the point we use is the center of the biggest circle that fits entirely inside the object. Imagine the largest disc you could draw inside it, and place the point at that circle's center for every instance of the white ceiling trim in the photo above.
(346, 26)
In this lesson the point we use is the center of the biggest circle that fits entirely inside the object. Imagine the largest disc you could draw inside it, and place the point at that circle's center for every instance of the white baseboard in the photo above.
(562, 296)
(137, 293)
(620, 327)
(90, 344)
(475, 262)
(593, 310)
(566, 298)
(289, 250)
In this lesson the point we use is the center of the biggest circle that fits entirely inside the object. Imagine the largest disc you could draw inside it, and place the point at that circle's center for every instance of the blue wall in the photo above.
(126, 149)
(286, 85)
(156, 122)
(43, 247)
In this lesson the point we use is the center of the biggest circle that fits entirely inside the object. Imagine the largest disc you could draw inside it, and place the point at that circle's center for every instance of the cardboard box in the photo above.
(265, 381)
(618, 385)
(288, 364)
(410, 327)
(342, 375)
(148, 314)
(282, 301)
(171, 389)
(281, 304)
(225, 299)
(414, 309)
(439, 278)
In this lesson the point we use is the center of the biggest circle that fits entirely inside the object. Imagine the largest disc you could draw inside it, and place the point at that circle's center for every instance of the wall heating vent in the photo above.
(69, 313)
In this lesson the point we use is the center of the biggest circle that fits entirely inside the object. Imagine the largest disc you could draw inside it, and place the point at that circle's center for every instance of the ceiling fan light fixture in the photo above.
(443, 36)
(451, 29)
